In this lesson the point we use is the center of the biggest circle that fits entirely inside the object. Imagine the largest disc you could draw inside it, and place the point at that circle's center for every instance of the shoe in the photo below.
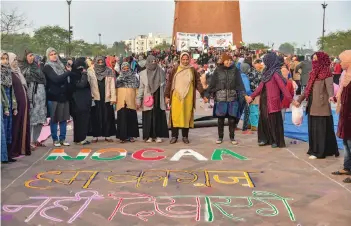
(64, 143)
(57, 144)
(158, 140)
(274, 145)
(234, 142)
(132, 140)
(186, 140)
(95, 140)
(219, 141)
(149, 140)
(108, 140)
(312, 157)
(84, 142)
(253, 128)
(173, 140)
(12, 160)
(261, 143)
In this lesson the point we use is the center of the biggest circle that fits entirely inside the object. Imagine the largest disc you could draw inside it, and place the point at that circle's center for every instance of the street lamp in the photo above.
(69, 26)
(324, 6)
(99, 38)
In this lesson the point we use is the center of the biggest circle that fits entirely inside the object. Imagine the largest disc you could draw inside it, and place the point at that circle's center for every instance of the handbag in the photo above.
(149, 101)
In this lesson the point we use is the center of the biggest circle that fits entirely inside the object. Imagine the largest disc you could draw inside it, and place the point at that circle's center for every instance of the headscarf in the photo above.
(345, 58)
(109, 60)
(57, 65)
(142, 62)
(154, 74)
(320, 71)
(102, 71)
(31, 72)
(182, 79)
(272, 66)
(6, 77)
(127, 79)
(244, 68)
(16, 70)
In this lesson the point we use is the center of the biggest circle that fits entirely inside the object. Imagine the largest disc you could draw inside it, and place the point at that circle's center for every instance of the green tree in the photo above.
(51, 36)
(336, 42)
(286, 48)
(17, 43)
(257, 46)
(163, 46)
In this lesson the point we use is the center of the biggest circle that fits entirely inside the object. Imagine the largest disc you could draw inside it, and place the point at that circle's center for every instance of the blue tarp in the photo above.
(301, 132)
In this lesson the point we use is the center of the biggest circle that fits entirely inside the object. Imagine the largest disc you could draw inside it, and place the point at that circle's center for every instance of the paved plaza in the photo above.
(182, 185)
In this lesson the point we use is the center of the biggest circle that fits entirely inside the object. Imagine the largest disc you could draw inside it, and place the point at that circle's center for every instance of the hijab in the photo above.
(182, 79)
(6, 77)
(154, 73)
(272, 65)
(345, 58)
(16, 70)
(245, 68)
(320, 71)
(31, 72)
(142, 62)
(102, 71)
(127, 79)
(57, 65)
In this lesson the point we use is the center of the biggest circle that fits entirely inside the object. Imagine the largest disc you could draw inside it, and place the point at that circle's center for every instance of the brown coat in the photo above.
(196, 83)
(322, 91)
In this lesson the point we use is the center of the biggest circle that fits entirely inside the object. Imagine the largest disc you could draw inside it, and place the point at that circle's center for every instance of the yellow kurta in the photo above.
(182, 111)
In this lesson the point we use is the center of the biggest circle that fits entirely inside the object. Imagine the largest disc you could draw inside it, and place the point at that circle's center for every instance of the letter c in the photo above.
(138, 155)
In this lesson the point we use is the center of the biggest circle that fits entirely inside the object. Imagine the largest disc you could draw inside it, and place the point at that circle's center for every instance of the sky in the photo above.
(262, 21)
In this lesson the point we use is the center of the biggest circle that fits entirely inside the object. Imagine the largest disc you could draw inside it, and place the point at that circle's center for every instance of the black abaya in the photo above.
(270, 125)
(127, 124)
(155, 120)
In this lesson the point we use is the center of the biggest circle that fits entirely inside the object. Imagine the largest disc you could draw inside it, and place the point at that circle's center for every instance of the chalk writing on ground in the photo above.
(46, 180)
(144, 206)
(141, 155)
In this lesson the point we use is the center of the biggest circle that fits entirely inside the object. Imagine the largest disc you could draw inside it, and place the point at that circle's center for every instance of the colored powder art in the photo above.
(48, 180)
(145, 207)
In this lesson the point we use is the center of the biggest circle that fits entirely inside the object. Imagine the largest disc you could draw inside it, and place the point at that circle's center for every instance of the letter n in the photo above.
(217, 154)
(60, 153)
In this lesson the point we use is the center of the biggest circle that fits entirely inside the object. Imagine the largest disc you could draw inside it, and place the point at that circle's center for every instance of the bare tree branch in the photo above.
(12, 22)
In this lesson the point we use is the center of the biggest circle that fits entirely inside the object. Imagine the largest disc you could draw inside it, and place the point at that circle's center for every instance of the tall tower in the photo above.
(208, 17)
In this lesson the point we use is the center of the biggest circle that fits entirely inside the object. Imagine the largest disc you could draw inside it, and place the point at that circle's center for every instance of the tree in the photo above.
(257, 46)
(51, 36)
(12, 22)
(286, 48)
(162, 47)
(336, 42)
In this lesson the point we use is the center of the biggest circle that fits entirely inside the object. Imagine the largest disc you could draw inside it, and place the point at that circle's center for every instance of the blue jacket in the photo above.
(246, 82)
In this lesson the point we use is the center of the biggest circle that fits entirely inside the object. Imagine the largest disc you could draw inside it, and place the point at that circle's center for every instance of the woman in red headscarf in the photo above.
(111, 63)
(319, 91)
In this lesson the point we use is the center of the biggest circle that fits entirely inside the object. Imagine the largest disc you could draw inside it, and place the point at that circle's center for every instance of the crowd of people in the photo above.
(107, 92)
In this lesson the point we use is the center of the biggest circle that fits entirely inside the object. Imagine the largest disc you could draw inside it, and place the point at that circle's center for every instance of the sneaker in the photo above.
(158, 140)
(234, 142)
(274, 145)
(57, 144)
(219, 141)
(64, 143)
(149, 140)
(312, 157)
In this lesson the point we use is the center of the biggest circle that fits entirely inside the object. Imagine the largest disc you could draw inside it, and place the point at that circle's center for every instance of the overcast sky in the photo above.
(262, 21)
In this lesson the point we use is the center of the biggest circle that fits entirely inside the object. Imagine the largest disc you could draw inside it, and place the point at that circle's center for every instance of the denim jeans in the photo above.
(347, 159)
(63, 130)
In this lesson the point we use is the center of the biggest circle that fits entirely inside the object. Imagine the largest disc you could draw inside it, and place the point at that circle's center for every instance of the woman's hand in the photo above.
(7, 113)
(248, 99)
(205, 100)
(331, 99)
(15, 112)
(296, 104)
(167, 100)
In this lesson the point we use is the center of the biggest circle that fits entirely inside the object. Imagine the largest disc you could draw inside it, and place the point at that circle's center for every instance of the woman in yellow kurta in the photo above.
(181, 94)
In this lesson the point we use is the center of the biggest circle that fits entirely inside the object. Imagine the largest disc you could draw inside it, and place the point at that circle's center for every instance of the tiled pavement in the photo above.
(313, 196)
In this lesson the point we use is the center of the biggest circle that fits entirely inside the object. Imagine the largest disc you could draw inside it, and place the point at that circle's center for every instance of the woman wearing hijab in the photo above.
(227, 88)
(343, 108)
(151, 99)
(102, 113)
(127, 120)
(319, 90)
(80, 102)
(111, 63)
(20, 123)
(9, 107)
(57, 93)
(36, 82)
(272, 85)
(181, 95)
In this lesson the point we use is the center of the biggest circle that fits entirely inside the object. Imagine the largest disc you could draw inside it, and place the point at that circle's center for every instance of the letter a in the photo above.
(183, 152)
(217, 154)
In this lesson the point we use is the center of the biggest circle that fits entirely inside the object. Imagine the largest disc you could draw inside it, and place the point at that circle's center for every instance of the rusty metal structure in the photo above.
(208, 17)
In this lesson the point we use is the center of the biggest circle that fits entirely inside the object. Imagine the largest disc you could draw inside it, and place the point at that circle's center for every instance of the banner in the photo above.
(185, 41)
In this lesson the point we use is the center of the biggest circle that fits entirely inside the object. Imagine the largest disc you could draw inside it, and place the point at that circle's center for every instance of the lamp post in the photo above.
(69, 26)
(324, 6)
(99, 38)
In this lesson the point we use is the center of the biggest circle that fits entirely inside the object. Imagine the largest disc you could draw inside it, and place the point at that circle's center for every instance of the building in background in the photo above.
(207, 17)
(144, 43)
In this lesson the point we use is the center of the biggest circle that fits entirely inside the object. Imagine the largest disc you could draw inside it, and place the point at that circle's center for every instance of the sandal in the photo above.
(39, 144)
(108, 140)
(347, 180)
(94, 141)
(342, 172)
(131, 140)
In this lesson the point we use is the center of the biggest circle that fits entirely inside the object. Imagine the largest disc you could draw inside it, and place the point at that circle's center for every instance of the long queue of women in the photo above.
(90, 91)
